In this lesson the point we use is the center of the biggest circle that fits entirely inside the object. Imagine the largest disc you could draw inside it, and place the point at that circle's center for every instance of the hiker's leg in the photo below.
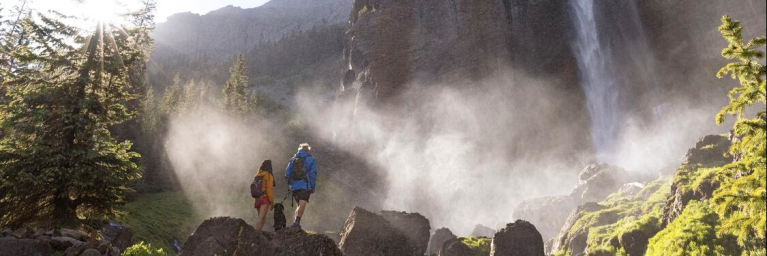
(262, 211)
(301, 208)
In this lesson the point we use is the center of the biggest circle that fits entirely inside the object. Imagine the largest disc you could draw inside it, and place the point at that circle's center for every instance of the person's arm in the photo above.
(313, 175)
(270, 189)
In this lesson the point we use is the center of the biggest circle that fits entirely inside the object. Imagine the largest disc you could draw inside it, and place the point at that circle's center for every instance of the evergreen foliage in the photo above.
(59, 163)
(236, 88)
(692, 233)
(740, 200)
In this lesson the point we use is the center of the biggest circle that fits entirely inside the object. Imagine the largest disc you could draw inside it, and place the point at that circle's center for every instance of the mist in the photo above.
(467, 154)
(215, 157)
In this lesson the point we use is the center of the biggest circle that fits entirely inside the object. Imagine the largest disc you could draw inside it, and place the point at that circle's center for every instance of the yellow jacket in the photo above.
(268, 184)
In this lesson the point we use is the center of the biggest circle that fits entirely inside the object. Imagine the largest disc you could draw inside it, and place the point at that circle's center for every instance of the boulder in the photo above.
(482, 231)
(23, 247)
(517, 239)
(23, 232)
(367, 233)
(597, 181)
(296, 242)
(548, 214)
(455, 247)
(414, 225)
(61, 243)
(91, 252)
(438, 239)
(72, 233)
(118, 235)
(227, 236)
(6, 232)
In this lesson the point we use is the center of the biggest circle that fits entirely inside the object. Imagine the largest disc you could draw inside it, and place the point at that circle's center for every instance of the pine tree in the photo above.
(59, 162)
(235, 91)
(191, 97)
(172, 98)
(741, 198)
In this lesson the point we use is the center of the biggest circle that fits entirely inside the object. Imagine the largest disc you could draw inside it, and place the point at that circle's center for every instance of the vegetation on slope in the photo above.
(157, 219)
(624, 216)
(479, 245)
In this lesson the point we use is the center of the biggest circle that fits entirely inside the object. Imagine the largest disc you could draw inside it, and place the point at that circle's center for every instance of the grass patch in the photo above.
(157, 219)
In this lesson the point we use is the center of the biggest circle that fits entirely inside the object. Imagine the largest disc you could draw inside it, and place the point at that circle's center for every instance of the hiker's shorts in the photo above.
(263, 200)
(302, 194)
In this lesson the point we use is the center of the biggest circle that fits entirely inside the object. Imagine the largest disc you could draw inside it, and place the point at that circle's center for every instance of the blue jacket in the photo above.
(310, 168)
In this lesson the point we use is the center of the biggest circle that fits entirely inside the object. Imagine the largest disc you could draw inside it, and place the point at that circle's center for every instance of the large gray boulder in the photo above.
(227, 236)
(413, 225)
(438, 239)
(370, 234)
(517, 239)
(23, 247)
(296, 242)
(118, 235)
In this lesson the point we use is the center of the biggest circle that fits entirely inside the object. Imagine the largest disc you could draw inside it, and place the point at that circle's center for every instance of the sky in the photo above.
(165, 8)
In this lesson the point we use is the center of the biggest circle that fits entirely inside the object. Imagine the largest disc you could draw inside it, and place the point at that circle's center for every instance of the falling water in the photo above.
(608, 68)
(599, 85)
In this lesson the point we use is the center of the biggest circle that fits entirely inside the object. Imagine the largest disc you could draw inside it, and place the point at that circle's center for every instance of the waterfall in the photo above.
(612, 59)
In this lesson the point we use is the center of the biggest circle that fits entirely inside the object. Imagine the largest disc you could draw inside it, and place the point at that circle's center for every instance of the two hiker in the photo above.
(301, 174)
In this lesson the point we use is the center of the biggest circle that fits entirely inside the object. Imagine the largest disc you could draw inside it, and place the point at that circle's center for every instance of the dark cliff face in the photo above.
(685, 41)
(391, 43)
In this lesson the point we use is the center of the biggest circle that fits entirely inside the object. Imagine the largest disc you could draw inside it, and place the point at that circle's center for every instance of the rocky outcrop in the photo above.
(595, 183)
(367, 233)
(227, 236)
(517, 239)
(709, 150)
(70, 242)
(455, 247)
(574, 241)
(230, 236)
(438, 239)
(482, 231)
(546, 213)
(10, 246)
(296, 242)
(414, 225)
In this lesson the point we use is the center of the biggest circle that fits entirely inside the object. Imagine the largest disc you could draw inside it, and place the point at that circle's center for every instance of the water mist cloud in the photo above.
(215, 157)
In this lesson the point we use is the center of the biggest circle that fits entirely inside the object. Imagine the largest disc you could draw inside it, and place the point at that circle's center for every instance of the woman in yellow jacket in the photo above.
(265, 202)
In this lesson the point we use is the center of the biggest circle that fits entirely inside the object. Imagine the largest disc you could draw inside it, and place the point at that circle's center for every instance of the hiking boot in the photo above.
(296, 225)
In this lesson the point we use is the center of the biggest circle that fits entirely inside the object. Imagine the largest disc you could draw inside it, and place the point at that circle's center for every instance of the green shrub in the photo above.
(692, 233)
(479, 245)
(142, 249)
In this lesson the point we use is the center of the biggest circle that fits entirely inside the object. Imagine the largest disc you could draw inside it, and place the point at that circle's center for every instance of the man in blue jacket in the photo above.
(301, 174)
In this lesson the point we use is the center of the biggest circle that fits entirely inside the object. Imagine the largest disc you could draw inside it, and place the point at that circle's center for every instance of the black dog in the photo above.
(279, 217)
